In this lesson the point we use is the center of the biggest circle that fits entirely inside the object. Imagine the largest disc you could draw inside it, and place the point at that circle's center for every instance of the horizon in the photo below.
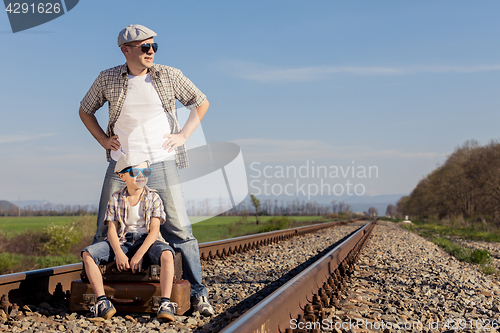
(357, 204)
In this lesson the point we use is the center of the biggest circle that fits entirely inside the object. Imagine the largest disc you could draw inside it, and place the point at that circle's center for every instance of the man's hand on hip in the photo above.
(173, 141)
(110, 143)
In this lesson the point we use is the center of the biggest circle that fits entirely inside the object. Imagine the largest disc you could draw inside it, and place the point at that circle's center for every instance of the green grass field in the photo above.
(222, 227)
(76, 232)
(477, 232)
(215, 228)
(11, 226)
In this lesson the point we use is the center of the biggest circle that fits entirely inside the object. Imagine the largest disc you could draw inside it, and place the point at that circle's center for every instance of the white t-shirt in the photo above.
(135, 221)
(142, 122)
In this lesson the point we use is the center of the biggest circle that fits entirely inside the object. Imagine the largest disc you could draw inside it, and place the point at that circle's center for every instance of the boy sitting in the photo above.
(134, 215)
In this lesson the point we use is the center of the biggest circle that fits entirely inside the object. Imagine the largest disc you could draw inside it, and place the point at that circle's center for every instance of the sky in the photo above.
(388, 86)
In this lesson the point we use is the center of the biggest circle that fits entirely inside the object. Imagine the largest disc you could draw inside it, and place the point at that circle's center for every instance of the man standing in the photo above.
(143, 119)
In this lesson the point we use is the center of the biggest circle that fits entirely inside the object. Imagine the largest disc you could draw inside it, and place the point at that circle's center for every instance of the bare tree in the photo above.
(372, 211)
(334, 206)
(391, 210)
(256, 205)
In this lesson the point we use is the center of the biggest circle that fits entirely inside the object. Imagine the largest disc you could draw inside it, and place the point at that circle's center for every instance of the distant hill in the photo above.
(7, 205)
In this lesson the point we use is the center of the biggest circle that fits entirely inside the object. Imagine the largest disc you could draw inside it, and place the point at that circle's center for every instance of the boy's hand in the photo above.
(136, 263)
(122, 262)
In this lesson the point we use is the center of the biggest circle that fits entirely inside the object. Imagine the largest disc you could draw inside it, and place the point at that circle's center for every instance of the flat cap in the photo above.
(130, 160)
(134, 32)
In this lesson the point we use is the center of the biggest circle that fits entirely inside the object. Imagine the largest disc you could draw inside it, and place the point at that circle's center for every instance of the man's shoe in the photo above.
(104, 309)
(166, 311)
(201, 305)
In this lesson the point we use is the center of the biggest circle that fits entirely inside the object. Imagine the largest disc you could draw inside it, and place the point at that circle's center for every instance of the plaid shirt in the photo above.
(117, 210)
(111, 86)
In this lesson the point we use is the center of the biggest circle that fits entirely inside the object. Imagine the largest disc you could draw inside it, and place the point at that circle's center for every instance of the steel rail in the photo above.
(38, 284)
(41, 283)
(225, 247)
(276, 312)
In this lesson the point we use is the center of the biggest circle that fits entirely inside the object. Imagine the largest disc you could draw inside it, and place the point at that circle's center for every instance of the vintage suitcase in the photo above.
(129, 292)
(149, 274)
(130, 296)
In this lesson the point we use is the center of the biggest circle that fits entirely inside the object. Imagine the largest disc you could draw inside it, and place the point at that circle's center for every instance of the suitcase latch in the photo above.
(155, 273)
(89, 298)
(156, 303)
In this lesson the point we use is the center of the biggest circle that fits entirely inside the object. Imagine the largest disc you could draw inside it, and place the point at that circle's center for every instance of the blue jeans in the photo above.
(103, 253)
(176, 230)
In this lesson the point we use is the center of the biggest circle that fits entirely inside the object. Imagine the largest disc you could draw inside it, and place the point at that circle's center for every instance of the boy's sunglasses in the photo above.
(145, 47)
(134, 172)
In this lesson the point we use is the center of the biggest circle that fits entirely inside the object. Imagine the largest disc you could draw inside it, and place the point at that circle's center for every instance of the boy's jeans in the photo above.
(177, 228)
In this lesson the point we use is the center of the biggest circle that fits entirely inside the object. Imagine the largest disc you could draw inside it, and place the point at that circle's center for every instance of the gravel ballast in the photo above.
(403, 282)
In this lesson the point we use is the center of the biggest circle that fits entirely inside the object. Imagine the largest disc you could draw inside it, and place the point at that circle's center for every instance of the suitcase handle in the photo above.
(123, 300)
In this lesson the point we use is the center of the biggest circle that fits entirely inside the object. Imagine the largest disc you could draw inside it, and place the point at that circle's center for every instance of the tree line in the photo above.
(196, 208)
(295, 207)
(48, 210)
(467, 185)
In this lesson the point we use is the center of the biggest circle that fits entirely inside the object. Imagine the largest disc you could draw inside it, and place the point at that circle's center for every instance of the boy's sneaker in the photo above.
(166, 311)
(104, 309)
(201, 305)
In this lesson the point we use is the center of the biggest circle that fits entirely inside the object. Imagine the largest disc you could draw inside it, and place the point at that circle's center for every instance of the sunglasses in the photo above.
(134, 172)
(145, 47)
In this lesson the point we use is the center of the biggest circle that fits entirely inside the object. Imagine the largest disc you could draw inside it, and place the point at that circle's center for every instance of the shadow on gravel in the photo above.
(224, 319)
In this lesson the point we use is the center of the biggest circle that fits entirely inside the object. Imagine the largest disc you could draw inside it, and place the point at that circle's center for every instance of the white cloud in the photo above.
(273, 151)
(457, 69)
(266, 73)
(21, 138)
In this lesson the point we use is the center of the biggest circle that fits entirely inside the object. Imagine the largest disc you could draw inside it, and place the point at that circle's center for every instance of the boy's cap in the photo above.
(130, 160)
(134, 32)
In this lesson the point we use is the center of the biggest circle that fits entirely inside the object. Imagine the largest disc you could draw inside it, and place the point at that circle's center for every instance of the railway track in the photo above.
(333, 267)
(42, 283)
(401, 282)
(302, 299)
